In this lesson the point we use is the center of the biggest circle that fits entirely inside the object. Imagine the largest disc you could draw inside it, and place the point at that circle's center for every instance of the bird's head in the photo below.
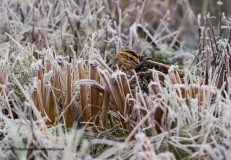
(126, 60)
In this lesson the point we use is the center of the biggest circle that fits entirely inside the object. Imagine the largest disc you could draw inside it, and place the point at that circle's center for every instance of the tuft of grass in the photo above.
(58, 93)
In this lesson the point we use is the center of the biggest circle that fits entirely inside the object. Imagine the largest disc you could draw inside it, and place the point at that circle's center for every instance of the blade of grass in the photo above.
(83, 92)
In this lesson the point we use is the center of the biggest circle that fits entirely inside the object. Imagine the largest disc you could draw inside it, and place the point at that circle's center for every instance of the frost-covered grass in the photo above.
(59, 99)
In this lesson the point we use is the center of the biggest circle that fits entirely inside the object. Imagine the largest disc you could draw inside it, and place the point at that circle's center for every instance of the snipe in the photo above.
(128, 62)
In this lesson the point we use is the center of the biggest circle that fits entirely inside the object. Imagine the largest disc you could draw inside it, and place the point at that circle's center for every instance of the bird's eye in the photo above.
(130, 58)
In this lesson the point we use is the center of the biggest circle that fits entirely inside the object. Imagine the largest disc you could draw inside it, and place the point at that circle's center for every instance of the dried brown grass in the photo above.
(44, 93)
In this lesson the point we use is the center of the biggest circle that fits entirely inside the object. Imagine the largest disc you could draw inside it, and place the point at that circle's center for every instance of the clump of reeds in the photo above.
(46, 95)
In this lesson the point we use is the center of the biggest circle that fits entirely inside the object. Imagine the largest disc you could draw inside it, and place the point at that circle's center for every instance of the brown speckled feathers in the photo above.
(128, 62)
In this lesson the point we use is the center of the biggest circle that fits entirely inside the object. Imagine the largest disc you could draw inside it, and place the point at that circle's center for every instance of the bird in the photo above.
(128, 62)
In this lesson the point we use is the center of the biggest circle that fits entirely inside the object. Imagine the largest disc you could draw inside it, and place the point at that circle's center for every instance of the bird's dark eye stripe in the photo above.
(131, 53)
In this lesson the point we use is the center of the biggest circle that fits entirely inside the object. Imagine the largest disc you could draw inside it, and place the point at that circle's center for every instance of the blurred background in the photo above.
(59, 24)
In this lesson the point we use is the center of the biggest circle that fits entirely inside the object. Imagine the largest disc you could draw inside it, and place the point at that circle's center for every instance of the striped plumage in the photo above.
(128, 62)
